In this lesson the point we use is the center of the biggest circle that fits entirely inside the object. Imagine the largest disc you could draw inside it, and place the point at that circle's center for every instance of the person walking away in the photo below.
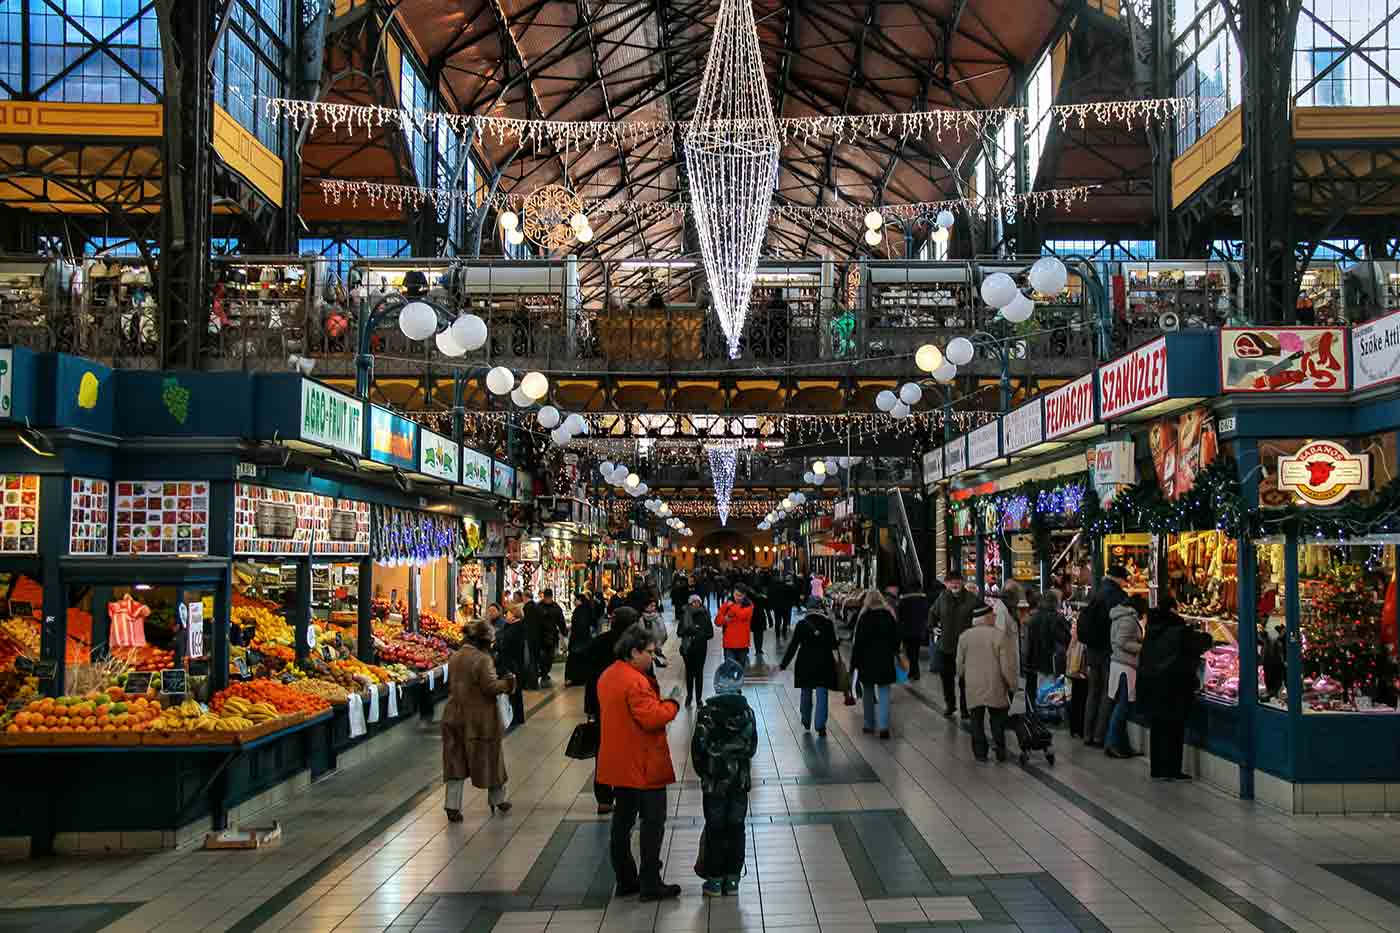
(602, 652)
(548, 628)
(580, 635)
(694, 628)
(759, 623)
(952, 614)
(634, 759)
(735, 619)
(471, 727)
(1094, 632)
(813, 646)
(912, 613)
(1166, 685)
(640, 595)
(1126, 619)
(514, 657)
(987, 660)
(1048, 645)
(874, 654)
(680, 595)
(723, 744)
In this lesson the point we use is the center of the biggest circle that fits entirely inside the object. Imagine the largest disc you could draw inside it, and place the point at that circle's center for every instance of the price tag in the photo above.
(393, 701)
(327, 653)
(196, 631)
(432, 678)
(240, 665)
(138, 682)
(374, 704)
(173, 681)
(444, 673)
(311, 634)
(357, 716)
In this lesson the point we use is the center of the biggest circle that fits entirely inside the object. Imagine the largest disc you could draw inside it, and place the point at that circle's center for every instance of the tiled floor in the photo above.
(849, 834)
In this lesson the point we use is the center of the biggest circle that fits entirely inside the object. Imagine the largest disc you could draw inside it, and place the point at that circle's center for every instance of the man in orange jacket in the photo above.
(635, 760)
(736, 619)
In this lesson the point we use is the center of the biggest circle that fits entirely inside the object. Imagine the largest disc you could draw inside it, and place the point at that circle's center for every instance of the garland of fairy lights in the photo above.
(741, 507)
(566, 135)
(396, 197)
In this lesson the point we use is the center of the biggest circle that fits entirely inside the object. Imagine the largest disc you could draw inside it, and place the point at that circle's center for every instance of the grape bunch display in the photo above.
(177, 399)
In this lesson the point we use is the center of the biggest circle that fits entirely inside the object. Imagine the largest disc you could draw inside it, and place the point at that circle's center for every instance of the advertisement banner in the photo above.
(1375, 351)
(1114, 469)
(1283, 359)
(331, 418)
(933, 467)
(502, 479)
(1022, 428)
(1070, 408)
(392, 440)
(272, 521)
(1134, 381)
(1181, 448)
(984, 444)
(438, 456)
(476, 469)
(342, 527)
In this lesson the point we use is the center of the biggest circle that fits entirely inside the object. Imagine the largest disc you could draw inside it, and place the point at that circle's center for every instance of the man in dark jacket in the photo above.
(544, 620)
(912, 614)
(680, 594)
(1094, 630)
(1166, 685)
(759, 623)
(952, 613)
(601, 653)
(513, 656)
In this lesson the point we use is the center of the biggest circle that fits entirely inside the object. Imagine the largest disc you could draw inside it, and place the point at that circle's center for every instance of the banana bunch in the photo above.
(253, 713)
(181, 718)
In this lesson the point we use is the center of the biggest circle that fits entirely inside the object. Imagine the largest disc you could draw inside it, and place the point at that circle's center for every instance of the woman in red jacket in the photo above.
(736, 619)
(635, 760)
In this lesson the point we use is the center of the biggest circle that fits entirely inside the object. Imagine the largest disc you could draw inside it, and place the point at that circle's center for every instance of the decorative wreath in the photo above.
(547, 213)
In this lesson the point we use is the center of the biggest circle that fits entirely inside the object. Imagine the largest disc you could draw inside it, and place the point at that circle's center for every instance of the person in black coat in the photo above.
(513, 657)
(813, 643)
(580, 635)
(913, 627)
(695, 628)
(874, 656)
(680, 594)
(544, 620)
(600, 656)
(1047, 645)
(1166, 684)
(759, 624)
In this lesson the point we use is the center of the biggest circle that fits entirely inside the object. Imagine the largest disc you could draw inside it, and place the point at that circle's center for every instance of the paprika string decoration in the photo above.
(722, 462)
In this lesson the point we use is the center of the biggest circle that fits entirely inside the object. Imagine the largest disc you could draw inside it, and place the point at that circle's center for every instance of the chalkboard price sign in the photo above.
(241, 666)
(173, 681)
(20, 609)
(46, 670)
(24, 664)
(138, 682)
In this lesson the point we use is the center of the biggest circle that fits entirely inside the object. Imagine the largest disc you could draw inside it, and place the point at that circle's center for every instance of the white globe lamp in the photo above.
(928, 358)
(960, 351)
(500, 380)
(998, 290)
(447, 344)
(469, 331)
(885, 400)
(417, 320)
(548, 417)
(1049, 275)
(945, 373)
(910, 393)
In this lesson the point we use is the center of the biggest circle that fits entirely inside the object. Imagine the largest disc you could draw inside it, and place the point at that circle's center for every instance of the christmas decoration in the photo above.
(722, 459)
(547, 214)
(1342, 639)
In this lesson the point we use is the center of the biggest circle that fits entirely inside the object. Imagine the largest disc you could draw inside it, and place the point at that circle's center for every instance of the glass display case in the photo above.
(1134, 552)
(1347, 625)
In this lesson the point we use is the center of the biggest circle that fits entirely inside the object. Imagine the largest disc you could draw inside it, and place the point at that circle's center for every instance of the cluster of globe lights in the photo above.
(1048, 276)
(790, 502)
(663, 511)
(874, 221)
(822, 470)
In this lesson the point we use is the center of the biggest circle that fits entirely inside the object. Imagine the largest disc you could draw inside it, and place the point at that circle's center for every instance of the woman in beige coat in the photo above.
(471, 727)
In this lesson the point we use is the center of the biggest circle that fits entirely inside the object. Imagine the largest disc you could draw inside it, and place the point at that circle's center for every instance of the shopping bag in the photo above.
(843, 675)
(583, 743)
(1074, 659)
(503, 710)
(901, 670)
(935, 659)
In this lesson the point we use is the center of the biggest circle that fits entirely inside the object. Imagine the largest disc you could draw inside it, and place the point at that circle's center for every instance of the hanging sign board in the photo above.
(1324, 472)
(1134, 381)
(933, 467)
(392, 440)
(1022, 428)
(271, 521)
(984, 444)
(438, 456)
(1375, 351)
(502, 479)
(1283, 359)
(331, 418)
(1070, 408)
(955, 457)
(476, 470)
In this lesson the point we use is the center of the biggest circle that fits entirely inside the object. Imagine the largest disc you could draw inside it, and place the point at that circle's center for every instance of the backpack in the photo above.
(725, 739)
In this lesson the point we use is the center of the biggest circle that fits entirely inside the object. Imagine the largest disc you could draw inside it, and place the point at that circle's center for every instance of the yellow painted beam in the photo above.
(1340, 124)
(53, 118)
(1211, 154)
(242, 152)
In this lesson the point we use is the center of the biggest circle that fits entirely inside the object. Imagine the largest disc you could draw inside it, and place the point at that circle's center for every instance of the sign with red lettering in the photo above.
(1133, 381)
(1324, 472)
(1283, 359)
(1070, 408)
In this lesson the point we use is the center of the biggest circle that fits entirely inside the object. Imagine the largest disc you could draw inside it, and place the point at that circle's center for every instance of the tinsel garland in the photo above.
(1355, 519)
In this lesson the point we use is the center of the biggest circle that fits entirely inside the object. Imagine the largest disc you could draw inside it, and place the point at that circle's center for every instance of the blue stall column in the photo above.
(301, 609)
(1294, 643)
(364, 630)
(1247, 461)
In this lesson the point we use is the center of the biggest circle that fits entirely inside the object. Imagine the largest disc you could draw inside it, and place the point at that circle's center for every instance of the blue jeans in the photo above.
(1117, 737)
(870, 694)
(805, 707)
(738, 655)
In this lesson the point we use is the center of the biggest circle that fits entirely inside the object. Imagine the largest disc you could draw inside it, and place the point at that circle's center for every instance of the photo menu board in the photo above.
(89, 516)
(165, 518)
(342, 527)
(272, 521)
(19, 529)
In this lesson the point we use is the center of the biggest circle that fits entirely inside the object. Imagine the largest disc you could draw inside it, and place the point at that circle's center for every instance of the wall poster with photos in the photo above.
(162, 517)
(19, 533)
(272, 521)
(89, 516)
(342, 527)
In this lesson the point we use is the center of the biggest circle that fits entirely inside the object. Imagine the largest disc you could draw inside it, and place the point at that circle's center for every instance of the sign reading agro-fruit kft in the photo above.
(331, 418)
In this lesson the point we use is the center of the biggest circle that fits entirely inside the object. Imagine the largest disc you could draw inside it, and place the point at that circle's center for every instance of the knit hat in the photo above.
(729, 677)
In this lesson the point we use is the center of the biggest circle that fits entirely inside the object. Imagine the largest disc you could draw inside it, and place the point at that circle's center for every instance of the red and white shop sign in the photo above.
(1070, 408)
(1324, 472)
(1134, 381)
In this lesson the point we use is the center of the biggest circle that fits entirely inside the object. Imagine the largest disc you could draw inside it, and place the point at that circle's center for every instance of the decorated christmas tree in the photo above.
(1342, 635)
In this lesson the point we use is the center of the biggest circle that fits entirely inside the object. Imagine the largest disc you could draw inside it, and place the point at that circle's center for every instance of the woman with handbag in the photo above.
(473, 726)
(813, 644)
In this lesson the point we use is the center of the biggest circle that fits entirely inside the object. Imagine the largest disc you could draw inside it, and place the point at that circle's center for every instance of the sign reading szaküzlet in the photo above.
(1022, 428)
(331, 418)
(1134, 381)
(438, 456)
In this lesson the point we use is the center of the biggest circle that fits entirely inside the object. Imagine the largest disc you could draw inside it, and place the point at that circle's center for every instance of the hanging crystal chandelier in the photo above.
(723, 460)
(731, 155)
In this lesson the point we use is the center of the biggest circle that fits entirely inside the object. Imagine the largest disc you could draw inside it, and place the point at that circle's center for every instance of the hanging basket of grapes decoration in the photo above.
(548, 211)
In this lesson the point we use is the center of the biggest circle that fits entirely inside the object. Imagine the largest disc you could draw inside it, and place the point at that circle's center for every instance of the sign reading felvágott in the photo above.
(1070, 408)
(331, 418)
(437, 455)
(476, 469)
(1134, 381)
(984, 444)
(1022, 428)
(1375, 350)
(955, 457)
(933, 467)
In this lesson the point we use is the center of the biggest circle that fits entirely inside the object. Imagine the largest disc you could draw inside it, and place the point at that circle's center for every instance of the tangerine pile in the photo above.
(94, 712)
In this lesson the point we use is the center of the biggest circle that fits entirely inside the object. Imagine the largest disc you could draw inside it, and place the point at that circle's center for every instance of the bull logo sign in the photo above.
(1324, 472)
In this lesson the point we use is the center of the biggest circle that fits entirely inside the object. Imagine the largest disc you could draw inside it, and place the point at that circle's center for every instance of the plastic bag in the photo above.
(503, 710)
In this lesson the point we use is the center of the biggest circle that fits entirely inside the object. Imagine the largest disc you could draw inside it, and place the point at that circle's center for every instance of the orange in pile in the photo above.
(119, 713)
(284, 698)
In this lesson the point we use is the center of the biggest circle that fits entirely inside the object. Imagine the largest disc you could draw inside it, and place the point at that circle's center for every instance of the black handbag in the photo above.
(583, 743)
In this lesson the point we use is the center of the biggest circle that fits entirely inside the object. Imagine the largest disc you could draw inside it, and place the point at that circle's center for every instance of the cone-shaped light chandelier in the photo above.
(731, 157)
(722, 463)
